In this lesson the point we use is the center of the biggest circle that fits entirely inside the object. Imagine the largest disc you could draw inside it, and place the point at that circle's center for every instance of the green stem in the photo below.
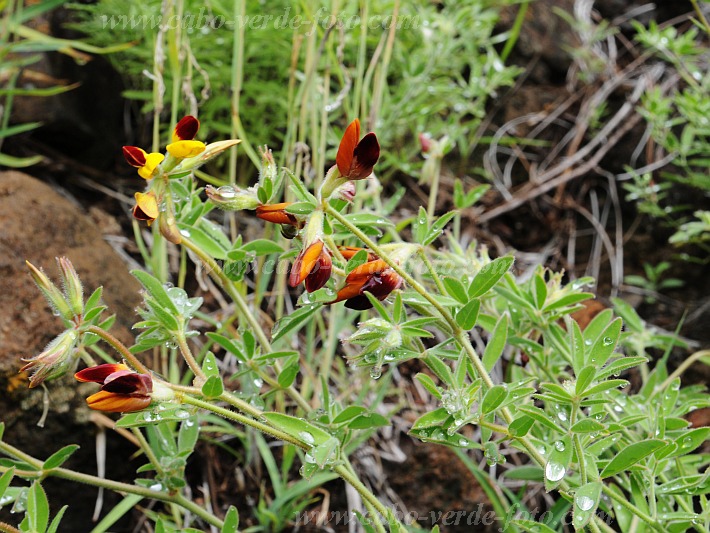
(433, 190)
(189, 358)
(214, 269)
(628, 505)
(116, 486)
(701, 16)
(345, 473)
(432, 271)
(684, 366)
(138, 434)
(120, 348)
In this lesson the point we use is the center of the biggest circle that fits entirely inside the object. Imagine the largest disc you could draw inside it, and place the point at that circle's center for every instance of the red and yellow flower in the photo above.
(313, 265)
(146, 207)
(122, 389)
(183, 144)
(375, 277)
(147, 164)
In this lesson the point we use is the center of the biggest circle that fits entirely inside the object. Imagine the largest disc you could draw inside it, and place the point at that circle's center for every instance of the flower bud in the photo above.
(231, 198)
(72, 286)
(211, 151)
(54, 361)
(268, 166)
(50, 291)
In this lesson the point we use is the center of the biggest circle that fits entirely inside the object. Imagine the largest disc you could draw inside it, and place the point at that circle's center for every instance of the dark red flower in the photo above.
(356, 157)
(186, 129)
(375, 277)
(122, 389)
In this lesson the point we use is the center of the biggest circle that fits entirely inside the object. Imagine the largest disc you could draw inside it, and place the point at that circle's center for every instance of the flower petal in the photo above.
(366, 154)
(277, 214)
(146, 207)
(98, 374)
(348, 252)
(320, 273)
(183, 149)
(130, 383)
(152, 161)
(117, 403)
(186, 129)
(346, 149)
(134, 156)
(304, 263)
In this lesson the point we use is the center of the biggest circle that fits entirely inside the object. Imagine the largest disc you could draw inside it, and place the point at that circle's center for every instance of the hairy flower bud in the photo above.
(72, 286)
(232, 198)
(50, 291)
(56, 359)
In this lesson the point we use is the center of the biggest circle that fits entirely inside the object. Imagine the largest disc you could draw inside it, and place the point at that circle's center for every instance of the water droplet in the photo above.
(607, 341)
(560, 446)
(585, 503)
(182, 414)
(554, 471)
(306, 437)
(687, 442)
(588, 342)
(542, 450)
(463, 442)
(185, 233)
(156, 487)
(376, 372)
(562, 416)
(308, 458)
(618, 408)
(227, 192)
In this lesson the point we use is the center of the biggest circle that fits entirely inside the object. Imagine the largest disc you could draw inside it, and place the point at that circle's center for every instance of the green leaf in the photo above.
(455, 289)
(54, 526)
(604, 346)
(421, 226)
(37, 508)
(496, 344)
(489, 275)
(209, 365)
(368, 420)
(231, 521)
(156, 290)
(360, 258)
(616, 367)
(584, 379)
(558, 462)
(428, 384)
(540, 291)
(521, 426)
(262, 247)
(11, 161)
(587, 425)
(432, 418)
(629, 314)
(204, 240)
(441, 369)
(690, 440)
(495, 396)
(5, 480)
(349, 413)
(466, 316)
(301, 208)
(288, 376)
(630, 455)
(586, 501)
(567, 300)
(213, 387)
(437, 228)
(577, 345)
(533, 526)
(292, 322)
(297, 428)
(59, 457)
(605, 386)
(188, 435)
(541, 416)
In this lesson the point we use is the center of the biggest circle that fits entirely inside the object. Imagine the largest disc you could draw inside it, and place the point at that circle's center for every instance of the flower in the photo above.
(54, 361)
(145, 162)
(277, 214)
(356, 157)
(146, 207)
(348, 252)
(183, 144)
(375, 277)
(232, 198)
(122, 389)
(313, 265)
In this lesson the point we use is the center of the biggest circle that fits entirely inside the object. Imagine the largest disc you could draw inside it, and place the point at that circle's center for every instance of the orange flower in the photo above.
(122, 389)
(146, 207)
(183, 144)
(277, 214)
(348, 252)
(375, 277)
(313, 265)
(356, 157)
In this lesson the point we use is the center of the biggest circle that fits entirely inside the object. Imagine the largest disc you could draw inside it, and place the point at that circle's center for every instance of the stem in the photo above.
(580, 457)
(116, 486)
(432, 271)
(246, 421)
(433, 190)
(358, 485)
(625, 503)
(189, 358)
(701, 16)
(120, 348)
(215, 271)
(148, 451)
(684, 366)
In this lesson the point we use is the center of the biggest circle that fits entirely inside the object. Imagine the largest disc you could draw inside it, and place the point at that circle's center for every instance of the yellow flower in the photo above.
(146, 207)
(145, 162)
(183, 149)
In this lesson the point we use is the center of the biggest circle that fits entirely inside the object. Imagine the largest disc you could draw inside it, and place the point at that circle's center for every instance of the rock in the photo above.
(38, 224)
